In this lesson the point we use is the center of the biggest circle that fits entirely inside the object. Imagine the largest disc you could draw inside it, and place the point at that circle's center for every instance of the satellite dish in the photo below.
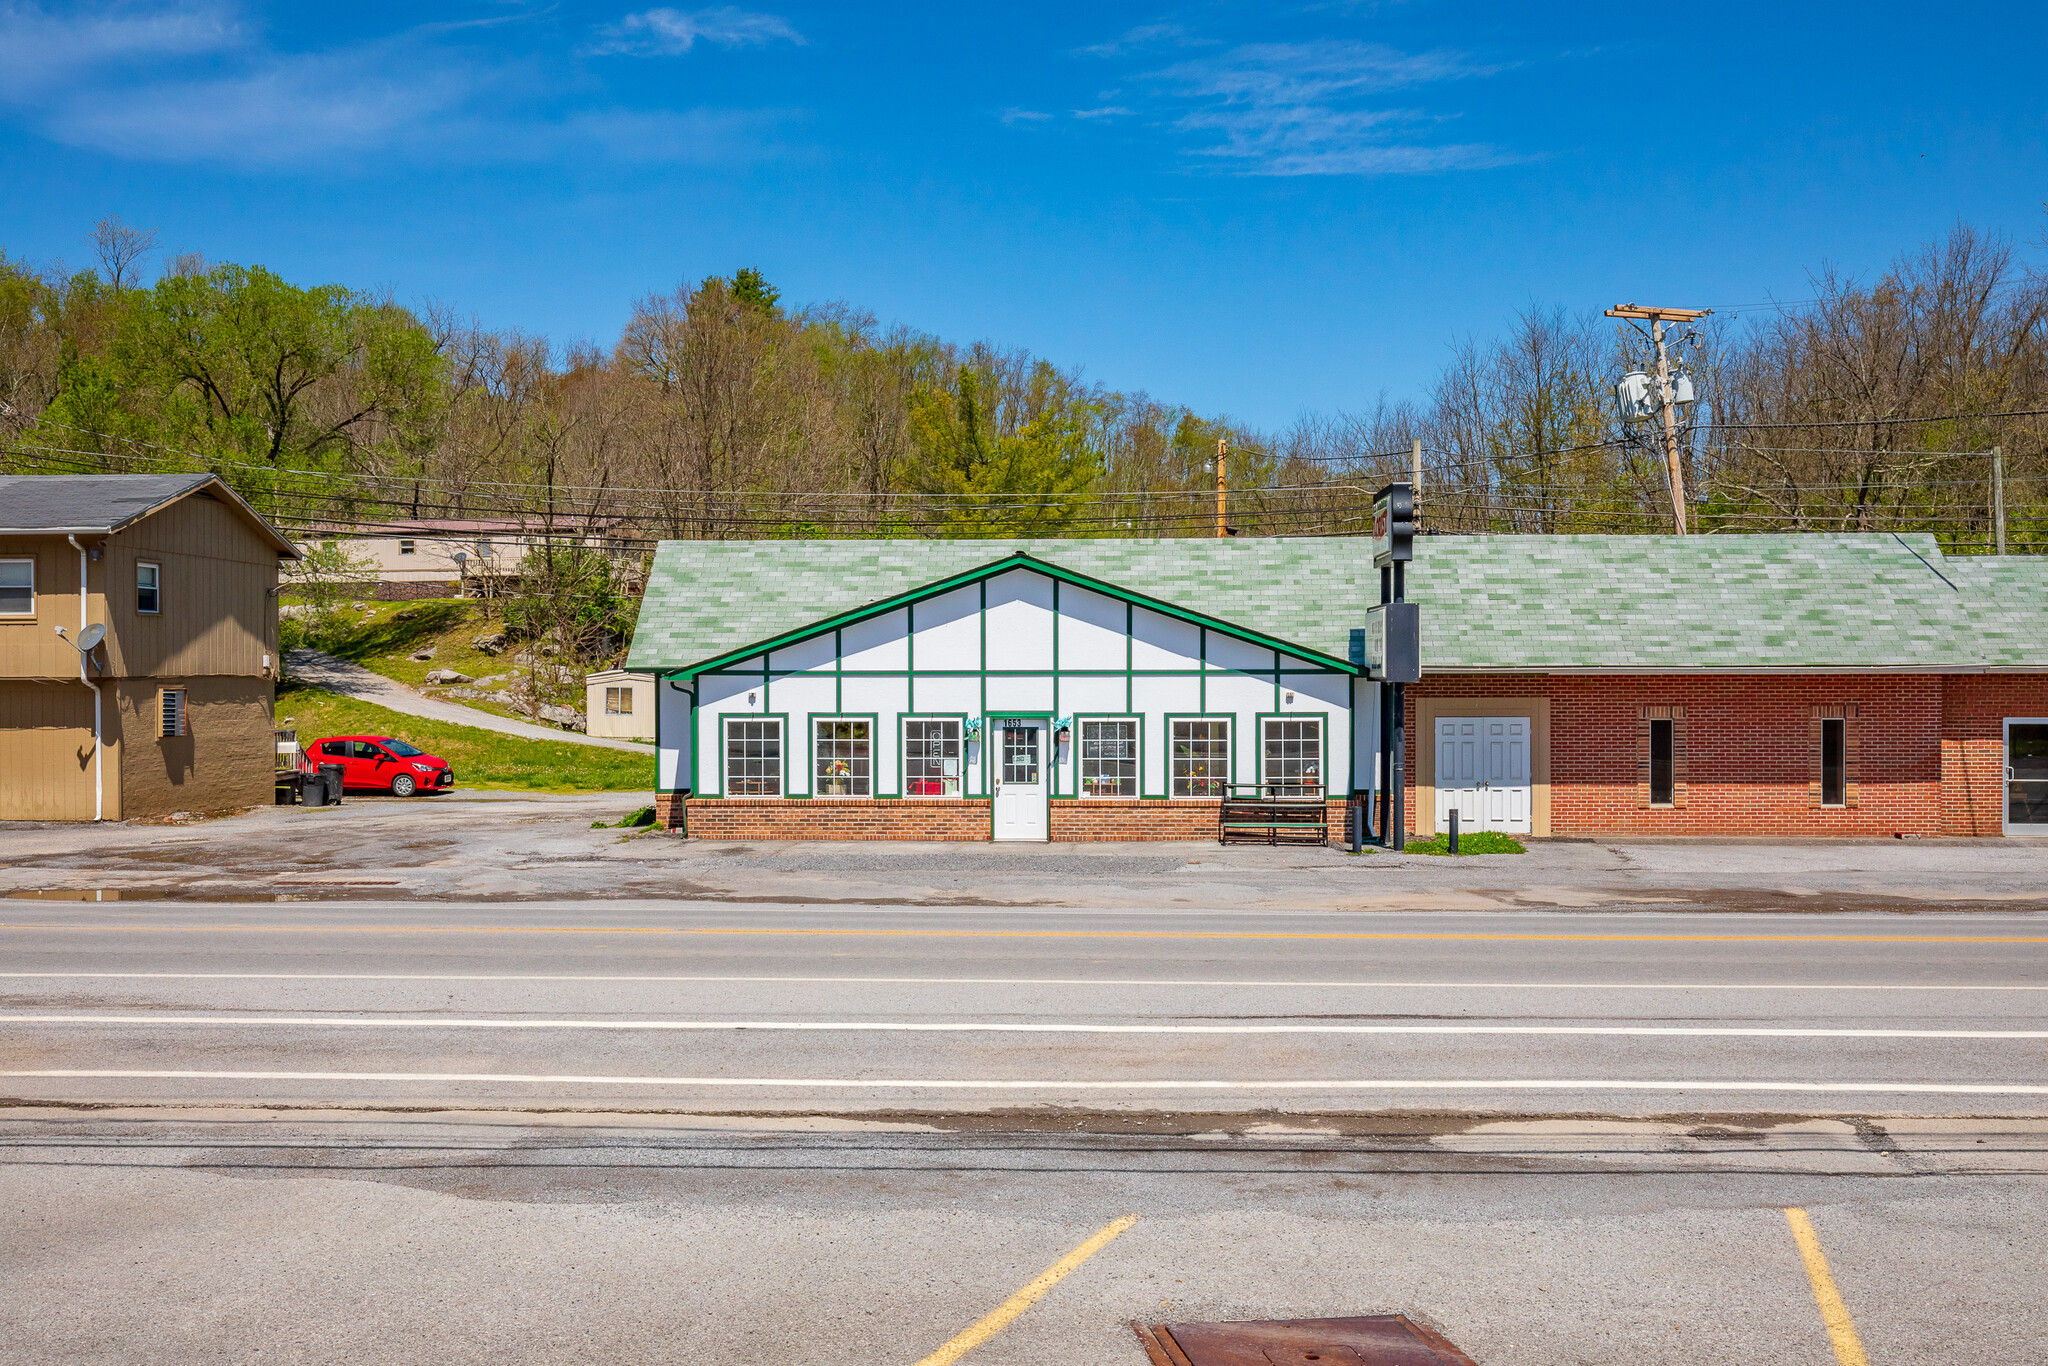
(91, 636)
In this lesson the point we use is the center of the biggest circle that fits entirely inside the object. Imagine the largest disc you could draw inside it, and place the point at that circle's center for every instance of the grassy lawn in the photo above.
(481, 758)
(384, 637)
(1473, 842)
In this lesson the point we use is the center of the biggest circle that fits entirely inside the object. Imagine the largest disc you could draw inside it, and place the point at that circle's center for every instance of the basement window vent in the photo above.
(171, 714)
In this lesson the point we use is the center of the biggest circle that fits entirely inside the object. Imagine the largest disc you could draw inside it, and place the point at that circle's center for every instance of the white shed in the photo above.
(620, 704)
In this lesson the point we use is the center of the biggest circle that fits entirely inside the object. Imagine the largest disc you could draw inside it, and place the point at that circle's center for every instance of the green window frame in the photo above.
(754, 751)
(1106, 756)
(1291, 754)
(1198, 756)
(842, 756)
(929, 742)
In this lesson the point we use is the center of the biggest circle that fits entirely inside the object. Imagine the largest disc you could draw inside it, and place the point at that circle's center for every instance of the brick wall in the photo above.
(841, 818)
(1133, 818)
(721, 818)
(1748, 750)
(1974, 708)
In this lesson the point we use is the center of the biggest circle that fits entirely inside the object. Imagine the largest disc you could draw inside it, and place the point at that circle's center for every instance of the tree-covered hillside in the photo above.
(722, 410)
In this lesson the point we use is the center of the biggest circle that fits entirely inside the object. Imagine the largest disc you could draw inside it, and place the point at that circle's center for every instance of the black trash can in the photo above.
(312, 789)
(332, 773)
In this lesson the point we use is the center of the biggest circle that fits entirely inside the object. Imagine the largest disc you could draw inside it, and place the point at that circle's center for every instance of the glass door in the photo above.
(2026, 776)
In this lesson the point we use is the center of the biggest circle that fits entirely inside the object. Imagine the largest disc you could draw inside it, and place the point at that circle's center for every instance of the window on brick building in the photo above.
(1292, 764)
(931, 758)
(1109, 758)
(843, 752)
(1201, 758)
(1834, 759)
(1833, 763)
(753, 758)
(1660, 756)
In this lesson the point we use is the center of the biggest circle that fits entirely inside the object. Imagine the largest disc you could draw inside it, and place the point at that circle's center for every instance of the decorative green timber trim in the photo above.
(1020, 560)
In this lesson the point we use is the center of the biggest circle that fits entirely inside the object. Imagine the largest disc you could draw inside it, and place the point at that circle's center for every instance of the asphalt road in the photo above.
(645, 1132)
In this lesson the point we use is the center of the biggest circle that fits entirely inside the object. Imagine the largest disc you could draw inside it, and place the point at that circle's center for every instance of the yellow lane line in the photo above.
(1833, 1313)
(843, 932)
(1031, 1294)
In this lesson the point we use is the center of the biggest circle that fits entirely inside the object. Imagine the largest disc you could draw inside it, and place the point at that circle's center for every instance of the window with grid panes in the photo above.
(931, 758)
(1201, 758)
(844, 759)
(1020, 754)
(1293, 764)
(753, 758)
(1109, 758)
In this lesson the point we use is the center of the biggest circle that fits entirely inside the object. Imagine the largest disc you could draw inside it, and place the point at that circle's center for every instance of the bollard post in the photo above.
(1454, 829)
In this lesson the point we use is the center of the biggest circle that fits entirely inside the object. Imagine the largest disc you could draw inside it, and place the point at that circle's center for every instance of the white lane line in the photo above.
(1021, 981)
(953, 1084)
(985, 1027)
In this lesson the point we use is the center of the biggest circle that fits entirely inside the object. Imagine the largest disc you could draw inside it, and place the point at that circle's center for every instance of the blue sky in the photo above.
(1258, 209)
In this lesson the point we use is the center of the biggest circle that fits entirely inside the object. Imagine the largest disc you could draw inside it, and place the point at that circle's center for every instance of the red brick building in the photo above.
(1092, 690)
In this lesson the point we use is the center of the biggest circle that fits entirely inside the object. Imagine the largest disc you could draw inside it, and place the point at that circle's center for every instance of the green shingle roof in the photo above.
(1488, 602)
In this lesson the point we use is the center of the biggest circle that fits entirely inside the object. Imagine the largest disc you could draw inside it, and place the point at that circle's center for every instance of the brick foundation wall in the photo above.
(840, 818)
(1748, 750)
(1135, 818)
(967, 819)
(1974, 708)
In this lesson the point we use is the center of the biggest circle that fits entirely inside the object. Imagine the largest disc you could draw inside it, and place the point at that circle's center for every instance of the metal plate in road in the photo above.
(1374, 1340)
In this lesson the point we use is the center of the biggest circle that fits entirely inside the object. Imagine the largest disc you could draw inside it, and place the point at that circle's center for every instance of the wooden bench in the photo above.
(1298, 817)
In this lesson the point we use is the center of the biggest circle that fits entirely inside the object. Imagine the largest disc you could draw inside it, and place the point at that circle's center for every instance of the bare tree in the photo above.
(119, 248)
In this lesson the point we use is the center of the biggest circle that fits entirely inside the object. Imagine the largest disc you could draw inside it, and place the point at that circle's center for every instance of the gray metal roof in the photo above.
(100, 504)
(1531, 603)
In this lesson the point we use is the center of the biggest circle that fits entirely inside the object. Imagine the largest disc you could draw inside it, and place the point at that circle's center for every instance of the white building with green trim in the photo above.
(1118, 689)
(1007, 689)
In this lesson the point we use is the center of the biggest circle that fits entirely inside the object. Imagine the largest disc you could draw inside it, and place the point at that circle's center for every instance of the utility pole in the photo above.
(1415, 461)
(1656, 318)
(1222, 449)
(1998, 498)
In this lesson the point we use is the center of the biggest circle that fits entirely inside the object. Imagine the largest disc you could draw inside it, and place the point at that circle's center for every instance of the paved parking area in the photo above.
(459, 1238)
(510, 846)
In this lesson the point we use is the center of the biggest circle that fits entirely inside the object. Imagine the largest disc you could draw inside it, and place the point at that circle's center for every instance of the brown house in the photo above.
(171, 709)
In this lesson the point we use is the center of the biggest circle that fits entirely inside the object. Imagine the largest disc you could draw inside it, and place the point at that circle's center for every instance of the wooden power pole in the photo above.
(1222, 449)
(1656, 318)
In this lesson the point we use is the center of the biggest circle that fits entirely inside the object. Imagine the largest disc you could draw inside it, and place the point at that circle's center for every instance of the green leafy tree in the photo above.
(325, 579)
(1030, 481)
(751, 288)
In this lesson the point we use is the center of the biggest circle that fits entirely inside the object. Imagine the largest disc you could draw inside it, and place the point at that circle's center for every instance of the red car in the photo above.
(378, 763)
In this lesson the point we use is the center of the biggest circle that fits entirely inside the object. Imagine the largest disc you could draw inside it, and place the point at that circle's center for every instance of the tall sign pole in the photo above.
(1656, 318)
(1393, 649)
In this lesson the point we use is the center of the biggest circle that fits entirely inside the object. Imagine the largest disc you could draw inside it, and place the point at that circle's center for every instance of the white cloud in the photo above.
(670, 33)
(1013, 117)
(1290, 109)
(40, 51)
(1144, 35)
(195, 86)
(1107, 111)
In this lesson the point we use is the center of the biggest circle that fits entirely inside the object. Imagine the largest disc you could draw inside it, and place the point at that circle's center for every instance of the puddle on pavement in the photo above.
(91, 894)
(306, 892)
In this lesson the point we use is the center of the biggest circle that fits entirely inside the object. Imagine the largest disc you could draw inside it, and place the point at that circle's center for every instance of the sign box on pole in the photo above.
(1393, 642)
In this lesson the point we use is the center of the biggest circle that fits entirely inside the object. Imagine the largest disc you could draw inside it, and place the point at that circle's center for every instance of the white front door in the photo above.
(1020, 779)
(1482, 772)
